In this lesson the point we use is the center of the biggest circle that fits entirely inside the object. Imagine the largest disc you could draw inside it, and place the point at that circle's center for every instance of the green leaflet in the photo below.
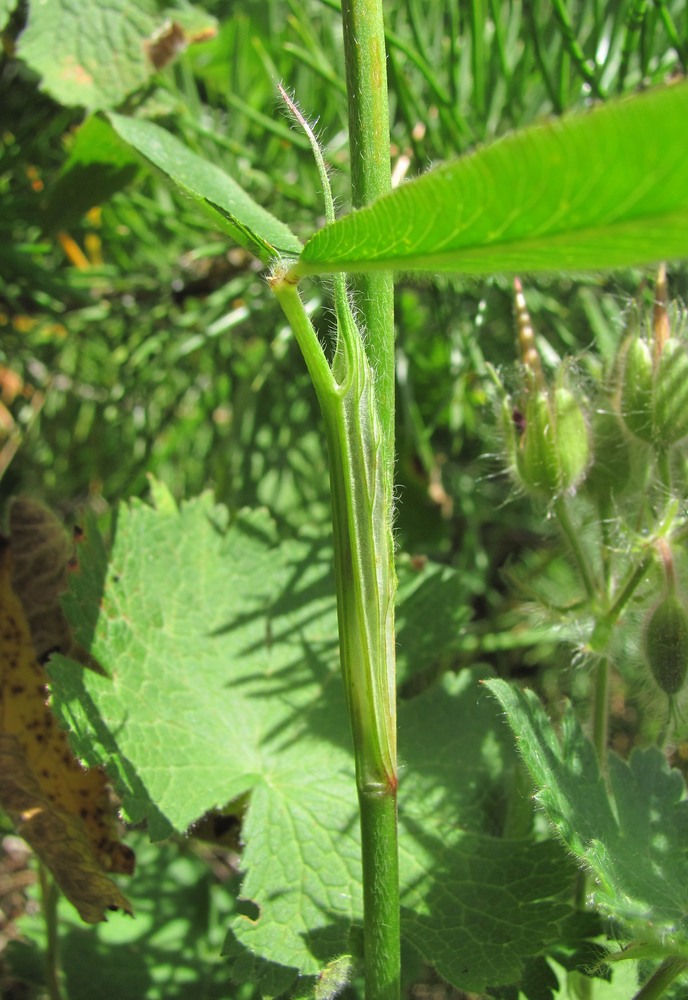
(599, 190)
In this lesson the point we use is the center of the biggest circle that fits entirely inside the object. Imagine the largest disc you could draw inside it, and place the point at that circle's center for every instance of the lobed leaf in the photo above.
(221, 650)
(633, 839)
(89, 54)
(604, 189)
(232, 209)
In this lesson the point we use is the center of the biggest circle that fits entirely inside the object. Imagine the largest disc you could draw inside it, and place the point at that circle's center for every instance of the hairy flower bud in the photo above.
(671, 393)
(654, 391)
(552, 449)
(666, 644)
(636, 388)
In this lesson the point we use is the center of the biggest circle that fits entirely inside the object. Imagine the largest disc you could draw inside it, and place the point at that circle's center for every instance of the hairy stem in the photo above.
(562, 515)
(366, 79)
(600, 722)
(365, 581)
(662, 978)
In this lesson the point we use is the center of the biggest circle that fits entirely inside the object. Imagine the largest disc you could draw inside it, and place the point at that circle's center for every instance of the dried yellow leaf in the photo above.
(61, 809)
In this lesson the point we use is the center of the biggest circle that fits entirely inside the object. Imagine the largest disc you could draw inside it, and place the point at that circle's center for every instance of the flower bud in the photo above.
(654, 391)
(553, 449)
(636, 388)
(666, 644)
(671, 394)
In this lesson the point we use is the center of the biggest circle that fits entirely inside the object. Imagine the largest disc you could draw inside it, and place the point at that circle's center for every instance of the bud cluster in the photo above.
(616, 450)
(555, 446)
(547, 431)
(653, 397)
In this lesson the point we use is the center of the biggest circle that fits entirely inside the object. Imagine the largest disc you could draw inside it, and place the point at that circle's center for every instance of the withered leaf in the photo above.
(42, 556)
(62, 810)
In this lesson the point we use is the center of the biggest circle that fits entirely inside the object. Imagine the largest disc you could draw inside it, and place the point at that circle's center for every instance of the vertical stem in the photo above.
(664, 469)
(380, 895)
(600, 723)
(562, 514)
(365, 582)
(366, 78)
(49, 900)
(366, 81)
(478, 17)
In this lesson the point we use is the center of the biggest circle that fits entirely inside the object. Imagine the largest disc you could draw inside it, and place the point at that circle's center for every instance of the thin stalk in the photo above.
(365, 583)
(628, 591)
(562, 515)
(664, 469)
(634, 22)
(672, 33)
(478, 16)
(661, 978)
(50, 895)
(534, 19)
(573, 47)
(600, 720)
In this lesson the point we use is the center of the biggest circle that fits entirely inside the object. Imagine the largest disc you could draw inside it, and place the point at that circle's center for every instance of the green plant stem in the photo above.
(369, 145)
(380, 894)
(630, 588)
(661, 978)
(365, 582)
(50, 895)
(600, 720)
(366, 81)
(562, 515)
(478, 16)
(573, 47)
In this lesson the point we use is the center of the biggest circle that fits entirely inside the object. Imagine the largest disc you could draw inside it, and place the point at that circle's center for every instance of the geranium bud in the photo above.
(654, 392)
(666, 644)
(671, 394)
(636, 388)
(553, 450)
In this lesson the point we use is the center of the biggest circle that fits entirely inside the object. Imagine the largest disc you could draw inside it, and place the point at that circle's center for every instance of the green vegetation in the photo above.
(511, 488)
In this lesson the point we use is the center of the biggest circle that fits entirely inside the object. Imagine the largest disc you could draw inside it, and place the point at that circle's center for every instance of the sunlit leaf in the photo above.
(221, 646)
(604, 189)
(95, 55)
(631, 838)
(232, 209)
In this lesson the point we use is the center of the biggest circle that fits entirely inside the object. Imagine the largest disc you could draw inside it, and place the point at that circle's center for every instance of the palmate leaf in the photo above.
(634, 841)
(221, 650)
(604, 189)
(232, 209)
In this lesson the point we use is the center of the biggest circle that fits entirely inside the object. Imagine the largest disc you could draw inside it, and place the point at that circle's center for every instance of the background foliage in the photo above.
(134, 343)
